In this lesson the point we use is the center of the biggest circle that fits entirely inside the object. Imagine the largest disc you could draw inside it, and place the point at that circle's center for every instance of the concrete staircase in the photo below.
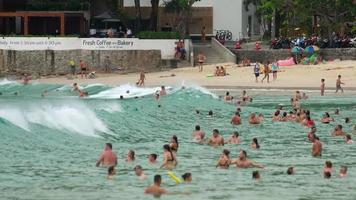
(213, 56)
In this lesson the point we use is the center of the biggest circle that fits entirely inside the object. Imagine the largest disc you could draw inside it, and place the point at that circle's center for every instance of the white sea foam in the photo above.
(110, 107)
(8, 82)
(71, 117)
(126, 91)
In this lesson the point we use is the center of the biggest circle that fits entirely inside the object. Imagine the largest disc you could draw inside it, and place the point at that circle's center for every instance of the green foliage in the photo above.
(157, 35)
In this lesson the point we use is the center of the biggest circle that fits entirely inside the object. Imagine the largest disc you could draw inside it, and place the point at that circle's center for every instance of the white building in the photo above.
(226, 15)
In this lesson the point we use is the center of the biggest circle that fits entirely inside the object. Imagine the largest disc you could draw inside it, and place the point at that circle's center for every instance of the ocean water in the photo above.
(49, 145)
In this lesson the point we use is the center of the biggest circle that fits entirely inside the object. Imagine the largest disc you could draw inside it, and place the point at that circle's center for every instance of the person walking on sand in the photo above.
(266, 71)
(322, 87)
(275, 68)
(83, 68)
(256, 70)
(338, 84)
(141, 81)
(201, 60)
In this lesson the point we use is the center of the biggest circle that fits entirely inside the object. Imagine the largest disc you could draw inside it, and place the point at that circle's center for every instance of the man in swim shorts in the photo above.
(338, 84)
(108, 158)
(338, 131)
(256, 70)
(236, 119)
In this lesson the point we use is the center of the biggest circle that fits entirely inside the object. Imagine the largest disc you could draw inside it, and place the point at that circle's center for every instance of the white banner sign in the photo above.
(43, 43)
(167, 47)
(109, 44)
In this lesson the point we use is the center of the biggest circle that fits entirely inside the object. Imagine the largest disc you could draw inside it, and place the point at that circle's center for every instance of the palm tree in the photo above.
(154, 14)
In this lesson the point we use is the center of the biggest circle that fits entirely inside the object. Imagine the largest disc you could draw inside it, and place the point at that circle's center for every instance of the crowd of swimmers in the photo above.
(170, 151)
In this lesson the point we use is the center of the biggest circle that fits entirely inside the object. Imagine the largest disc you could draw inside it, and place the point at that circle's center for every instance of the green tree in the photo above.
(154, 14)
(182, 9)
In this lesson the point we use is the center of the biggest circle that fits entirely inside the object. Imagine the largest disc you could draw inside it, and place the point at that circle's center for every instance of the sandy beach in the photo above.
(294, 77)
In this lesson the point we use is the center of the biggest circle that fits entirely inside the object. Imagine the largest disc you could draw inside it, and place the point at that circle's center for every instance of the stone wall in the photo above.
(281, 54)
(56, 62)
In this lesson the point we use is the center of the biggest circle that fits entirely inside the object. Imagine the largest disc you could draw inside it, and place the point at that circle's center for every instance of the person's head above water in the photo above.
(347, 120)
(227, 93)
(131, 154)
(216, 133)
(108, 146)
(327, 175)
(235, 133)
(256, 175)
(255, 141)
(187, 177)
(210, 113)
(338, 127)
(138, 170)
(226, 152)
(152, 158)
(328, 164)
(243, 155)
(343, 170)
(157, 180)
(290, 171)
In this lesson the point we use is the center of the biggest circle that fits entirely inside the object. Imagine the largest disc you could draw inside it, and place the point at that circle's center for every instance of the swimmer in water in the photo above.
(276, 117)
(256, 175)
(139, 172)
(337, 111)
(328, 167)
(157, 95)
(311, 134)
(326, 118)
(234, 139)
(347, 120)
(290, 171)
(348, 139)
(327, 175)
(156, 189)
(152, 158)
(317, 147)
(210, 114)
(338, 131)
(76, 87)
(111, 173)
(187, 177)
(108, 158)
(174, 144)
(284, 117)
(236, 119)
(228, 97)
(198, 134)
(254, 144)
(243, 162)
(130, 156)
(216, 139)
(253, 119)
(343, 171)
(169, 158)
(261, 117)
(163, 91)
(224, 160)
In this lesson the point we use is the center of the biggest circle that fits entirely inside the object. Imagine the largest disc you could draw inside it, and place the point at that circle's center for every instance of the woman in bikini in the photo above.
(169, 161)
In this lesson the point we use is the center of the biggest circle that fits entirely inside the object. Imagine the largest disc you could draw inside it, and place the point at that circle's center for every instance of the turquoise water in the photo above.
(49, 145)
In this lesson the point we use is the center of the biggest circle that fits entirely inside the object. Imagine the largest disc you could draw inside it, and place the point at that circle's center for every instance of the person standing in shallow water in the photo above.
(317, 147)
(108, 158)
(243, 162)
(338, 84)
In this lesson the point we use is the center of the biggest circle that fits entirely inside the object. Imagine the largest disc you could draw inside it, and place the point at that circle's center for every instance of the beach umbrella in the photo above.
(297, 50)
(309, 50)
